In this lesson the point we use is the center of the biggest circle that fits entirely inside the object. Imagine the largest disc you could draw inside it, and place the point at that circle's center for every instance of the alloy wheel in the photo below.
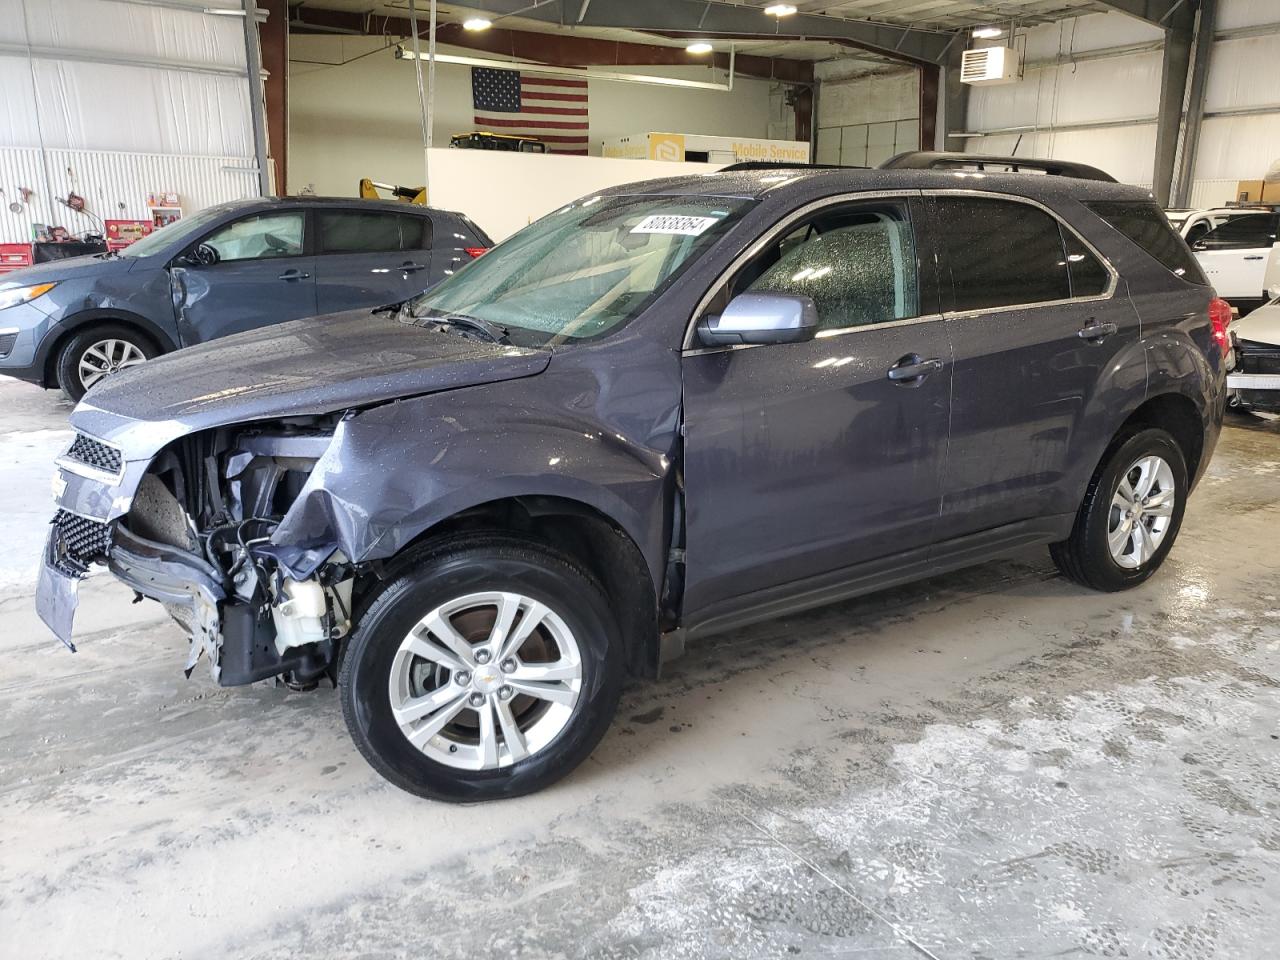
(1141, 511)
(485, 680)
(107, 357)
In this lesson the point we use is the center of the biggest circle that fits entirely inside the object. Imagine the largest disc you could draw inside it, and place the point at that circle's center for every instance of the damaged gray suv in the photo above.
(666, 410)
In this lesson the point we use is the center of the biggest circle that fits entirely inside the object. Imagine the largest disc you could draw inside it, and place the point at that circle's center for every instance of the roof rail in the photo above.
(930, 160)
(784, 165)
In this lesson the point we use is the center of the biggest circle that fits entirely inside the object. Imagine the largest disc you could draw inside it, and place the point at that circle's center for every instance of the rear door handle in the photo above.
(1096, 332)
(410, 267)
(295, 275)
(912, 369)
(1259, 257)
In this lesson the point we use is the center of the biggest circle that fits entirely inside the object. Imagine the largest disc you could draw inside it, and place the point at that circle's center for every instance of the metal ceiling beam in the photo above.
(710, 19)
(1170, 14)
(555, 48)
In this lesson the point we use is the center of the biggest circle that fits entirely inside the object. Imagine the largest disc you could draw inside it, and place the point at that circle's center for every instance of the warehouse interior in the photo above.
(217, 220)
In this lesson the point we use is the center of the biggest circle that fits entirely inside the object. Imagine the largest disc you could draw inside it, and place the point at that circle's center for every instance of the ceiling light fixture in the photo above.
(780, 10)
(987, 33)
(699, 46)
(476, 23)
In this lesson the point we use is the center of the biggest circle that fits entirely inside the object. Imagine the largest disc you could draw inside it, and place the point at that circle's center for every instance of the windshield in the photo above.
(176, 232)
(584, 270)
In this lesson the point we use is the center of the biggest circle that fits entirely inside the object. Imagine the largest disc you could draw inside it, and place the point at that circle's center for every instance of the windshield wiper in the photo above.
(488, 330)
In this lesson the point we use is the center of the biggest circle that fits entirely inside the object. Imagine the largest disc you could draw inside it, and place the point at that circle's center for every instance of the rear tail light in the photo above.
(1220, 319)
(474, 252)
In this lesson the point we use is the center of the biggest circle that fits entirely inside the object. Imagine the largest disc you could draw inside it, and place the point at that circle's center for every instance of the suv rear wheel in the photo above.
(491, 669)
(97, 352)
(1131, 513)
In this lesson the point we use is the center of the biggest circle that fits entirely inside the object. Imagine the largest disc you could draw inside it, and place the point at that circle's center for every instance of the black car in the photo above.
(665, 410)
(229, 268)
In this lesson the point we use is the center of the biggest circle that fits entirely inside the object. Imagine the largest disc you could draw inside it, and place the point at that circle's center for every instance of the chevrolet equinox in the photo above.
(665, 410)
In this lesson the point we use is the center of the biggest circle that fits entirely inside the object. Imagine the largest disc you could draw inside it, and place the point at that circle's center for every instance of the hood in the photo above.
(73, 268)
(1261, 326)
(314, 366)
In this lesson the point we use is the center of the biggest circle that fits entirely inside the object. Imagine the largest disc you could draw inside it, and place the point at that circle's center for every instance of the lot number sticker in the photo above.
(672, 223)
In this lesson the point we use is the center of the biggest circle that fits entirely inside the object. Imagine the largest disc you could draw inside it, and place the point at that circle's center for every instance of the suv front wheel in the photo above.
(491, 669)
(97, 352)
(1131, 514)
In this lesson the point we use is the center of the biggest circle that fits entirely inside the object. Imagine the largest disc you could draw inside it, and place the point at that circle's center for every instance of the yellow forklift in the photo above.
(369, 191)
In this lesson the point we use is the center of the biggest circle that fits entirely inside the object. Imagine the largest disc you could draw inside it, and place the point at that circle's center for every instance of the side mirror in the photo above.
(761, 318)
(202, 255)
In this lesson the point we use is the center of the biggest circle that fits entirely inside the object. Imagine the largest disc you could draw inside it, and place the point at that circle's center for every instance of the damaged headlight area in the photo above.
(198, 538)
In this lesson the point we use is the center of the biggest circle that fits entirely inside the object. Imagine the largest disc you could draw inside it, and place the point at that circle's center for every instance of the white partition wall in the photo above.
(521, 187)
(112, 100)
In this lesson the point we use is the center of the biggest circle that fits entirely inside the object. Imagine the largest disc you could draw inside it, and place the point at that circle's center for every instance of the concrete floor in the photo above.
(992, 764)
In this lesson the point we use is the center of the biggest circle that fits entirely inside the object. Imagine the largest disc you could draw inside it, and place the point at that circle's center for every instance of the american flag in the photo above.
(553, 109)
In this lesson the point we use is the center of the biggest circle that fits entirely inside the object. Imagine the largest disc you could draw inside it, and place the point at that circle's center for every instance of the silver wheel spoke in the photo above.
(546, 672)
(415, 709)
(545, 691)
(437, 723)
(510, 730)
(421, 645)
(1141, 544)
(1119, 538)
(1125, 491)
(1147, 468)
(488, 736)
(442, 630)
(534, 614)
(508, 607)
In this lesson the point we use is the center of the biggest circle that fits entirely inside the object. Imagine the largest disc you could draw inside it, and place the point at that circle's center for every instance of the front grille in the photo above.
(95, 453)
(7, 340)
(79, 542)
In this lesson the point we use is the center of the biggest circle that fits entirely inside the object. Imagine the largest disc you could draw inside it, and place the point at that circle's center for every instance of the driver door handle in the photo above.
(1258, 257)
(912, 369)
(295, 275)
(410, 267)
(1096, 332)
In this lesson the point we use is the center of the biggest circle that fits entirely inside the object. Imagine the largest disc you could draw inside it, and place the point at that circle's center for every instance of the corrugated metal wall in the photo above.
(113, 101)
(1076, 101)
(114, 185)
(1091, 89)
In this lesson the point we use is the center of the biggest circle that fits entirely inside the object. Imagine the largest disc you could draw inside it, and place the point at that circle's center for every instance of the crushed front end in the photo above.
(190, 525)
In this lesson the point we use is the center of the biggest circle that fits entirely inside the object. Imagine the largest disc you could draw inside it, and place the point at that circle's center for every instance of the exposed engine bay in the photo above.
(198, 538)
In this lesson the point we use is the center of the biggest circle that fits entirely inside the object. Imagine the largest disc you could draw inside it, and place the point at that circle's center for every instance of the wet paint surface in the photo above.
(991, 764)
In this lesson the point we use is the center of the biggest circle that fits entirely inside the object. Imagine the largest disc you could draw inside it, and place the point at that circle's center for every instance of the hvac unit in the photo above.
(988, 65)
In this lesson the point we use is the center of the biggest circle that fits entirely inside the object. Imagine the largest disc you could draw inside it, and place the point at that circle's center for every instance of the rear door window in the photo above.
(1242, 233)
(1146, 225)
(369, 231)
(1000, 253)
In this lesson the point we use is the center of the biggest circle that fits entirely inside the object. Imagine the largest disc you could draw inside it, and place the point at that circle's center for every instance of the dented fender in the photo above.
(392, 472)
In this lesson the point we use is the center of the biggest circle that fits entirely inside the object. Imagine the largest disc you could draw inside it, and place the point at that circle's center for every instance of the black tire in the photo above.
(1085, 556)
(68, 363)
(454, 568)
